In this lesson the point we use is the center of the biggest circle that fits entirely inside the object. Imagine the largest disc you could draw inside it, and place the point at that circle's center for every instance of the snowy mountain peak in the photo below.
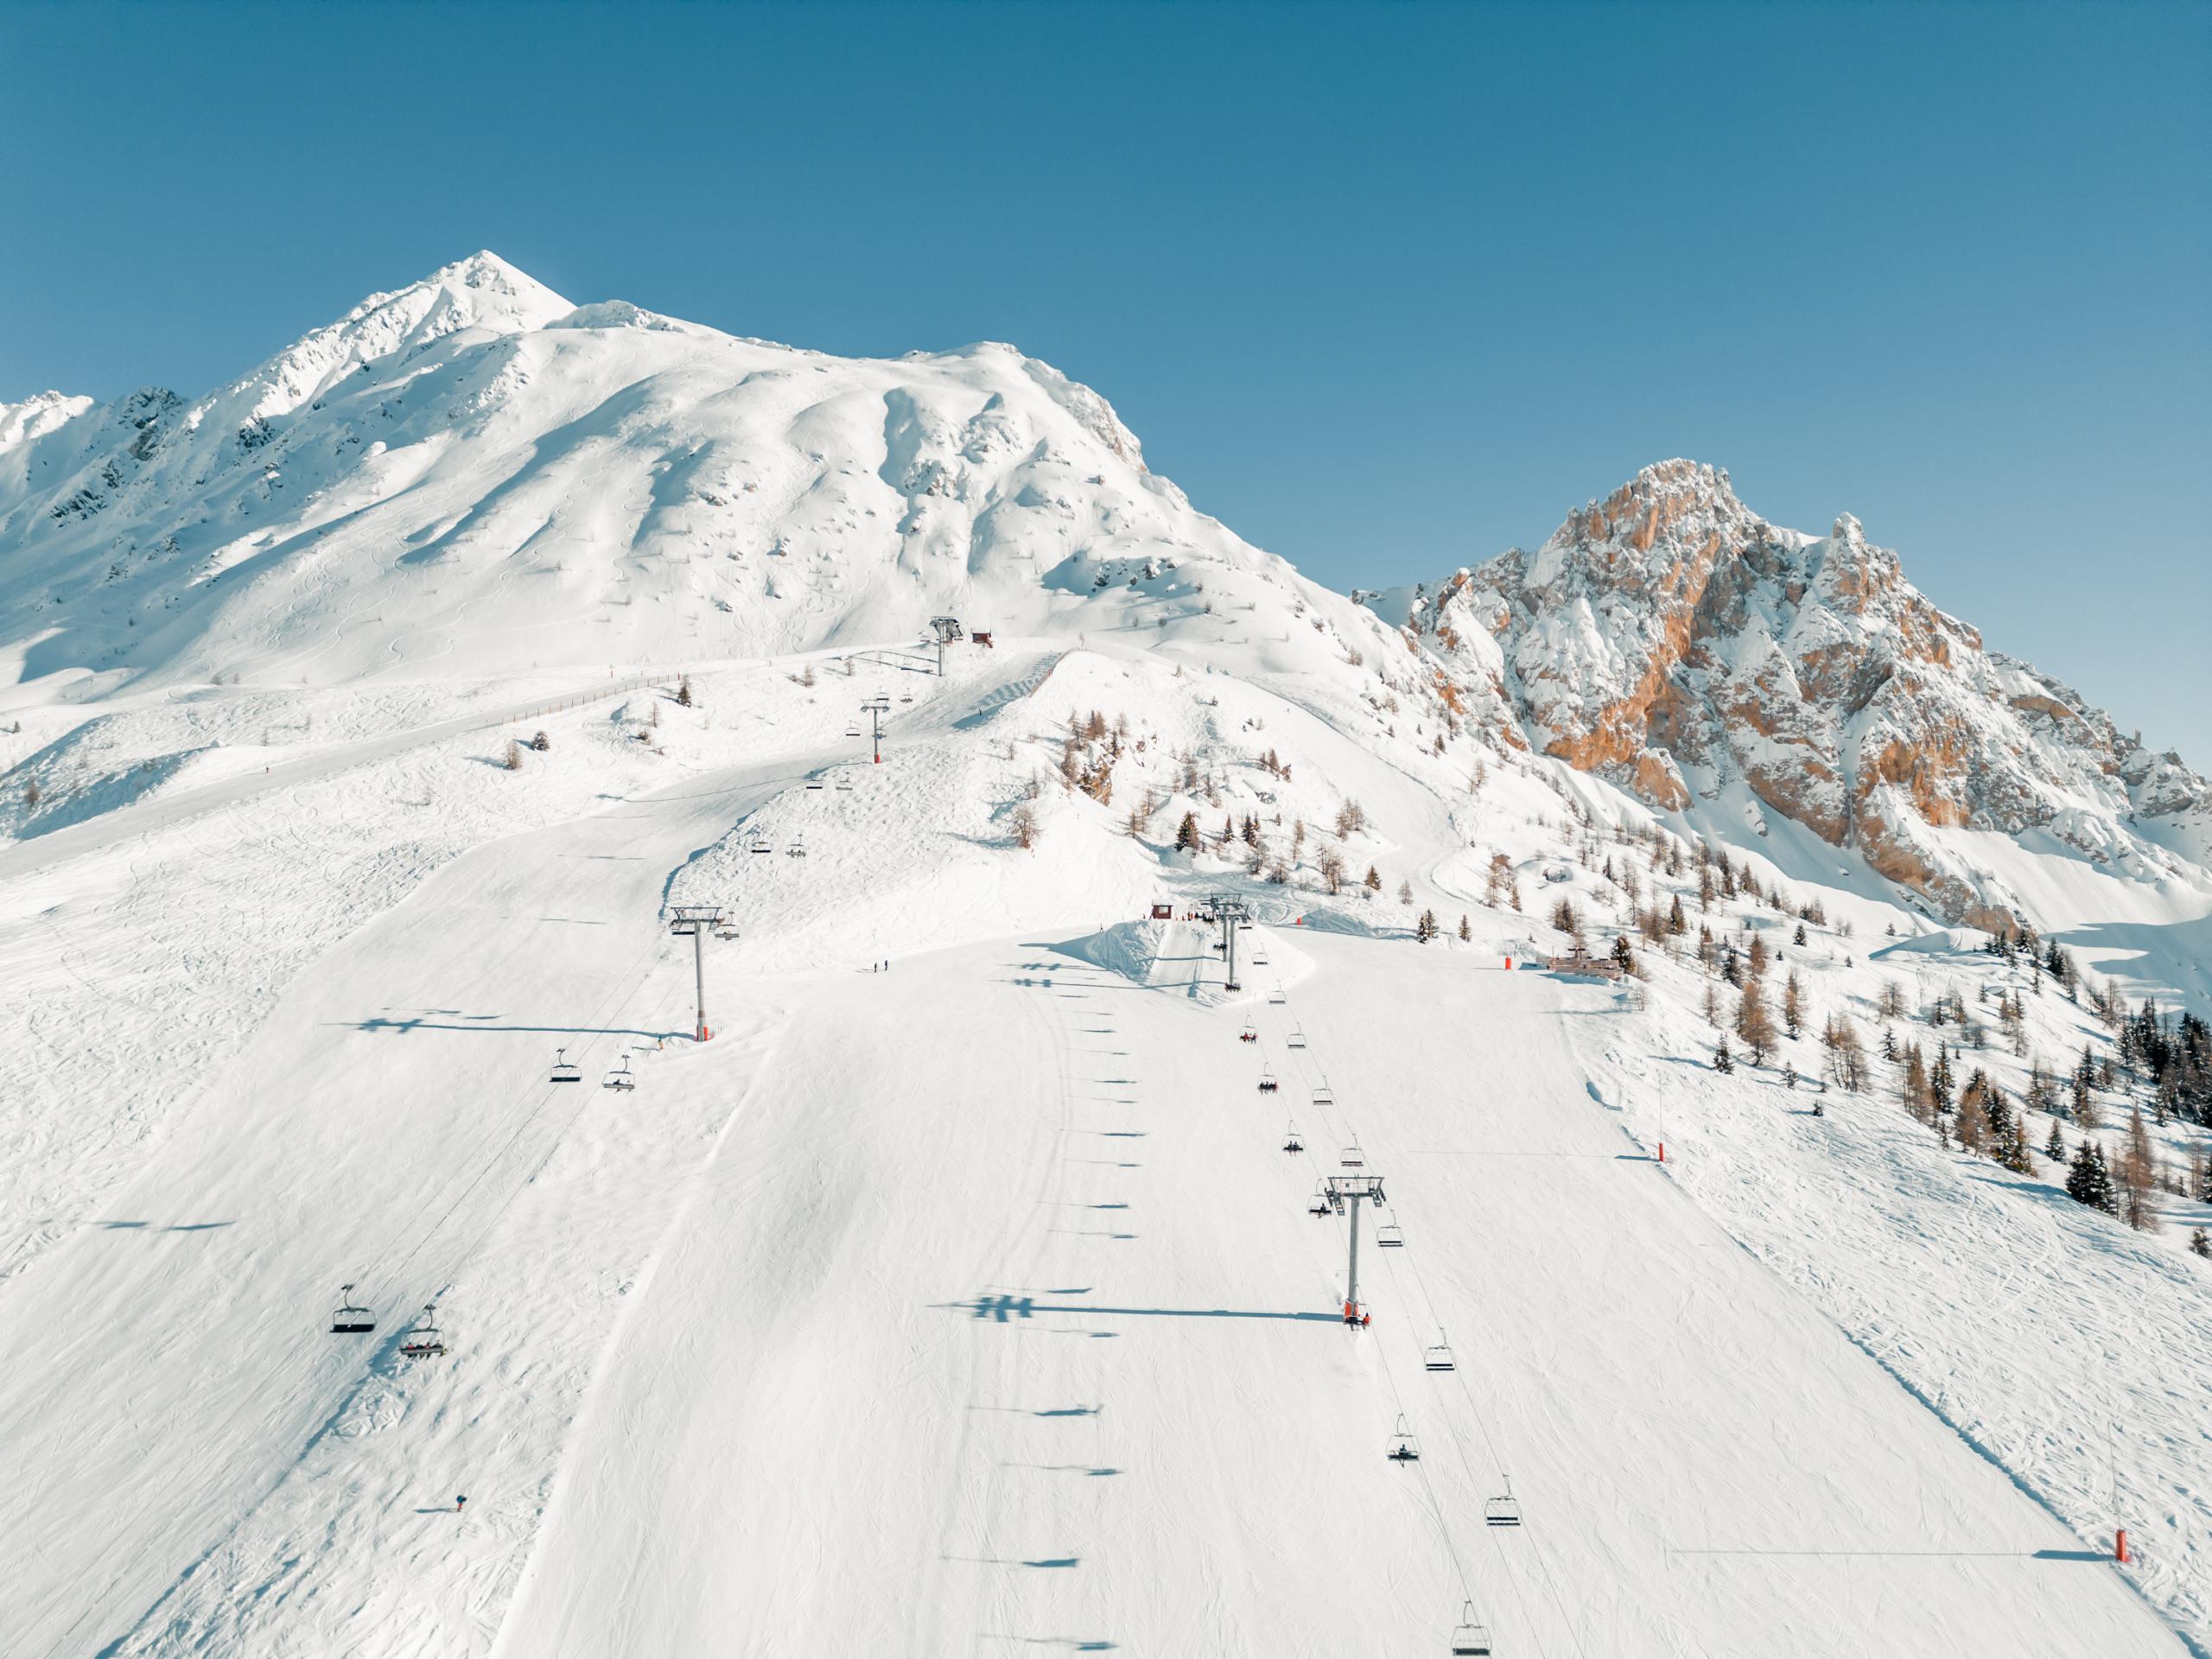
(1670, 639)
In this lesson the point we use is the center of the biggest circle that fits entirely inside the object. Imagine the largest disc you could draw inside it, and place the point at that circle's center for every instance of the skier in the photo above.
(459, 1504)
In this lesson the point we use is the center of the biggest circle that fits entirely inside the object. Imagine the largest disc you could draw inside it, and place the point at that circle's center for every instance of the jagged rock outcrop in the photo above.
(1671, 640)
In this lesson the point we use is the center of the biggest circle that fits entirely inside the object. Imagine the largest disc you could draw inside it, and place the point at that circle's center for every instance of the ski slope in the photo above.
(973, 1307)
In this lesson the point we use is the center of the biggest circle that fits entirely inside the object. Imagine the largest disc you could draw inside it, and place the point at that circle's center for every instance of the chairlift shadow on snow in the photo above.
(1003, 1309)
(161, 1227)
(378, 1025)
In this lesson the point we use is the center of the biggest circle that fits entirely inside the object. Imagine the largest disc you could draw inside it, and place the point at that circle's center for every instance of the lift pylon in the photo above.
(1345, 1194)
(697, 920)
(876, 709)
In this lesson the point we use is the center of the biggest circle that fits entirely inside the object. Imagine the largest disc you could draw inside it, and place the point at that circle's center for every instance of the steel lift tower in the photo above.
(947, 629)
(876, 709)
(696, 919)
(1346, 1193)
(1231, 913)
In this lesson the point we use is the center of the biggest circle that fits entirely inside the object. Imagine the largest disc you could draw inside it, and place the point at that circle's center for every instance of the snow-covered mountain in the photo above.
(1670, 640)
(471, 469)
(960, 1294)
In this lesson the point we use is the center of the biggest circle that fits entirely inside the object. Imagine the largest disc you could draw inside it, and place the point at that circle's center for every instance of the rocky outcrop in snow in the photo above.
(1672, 641)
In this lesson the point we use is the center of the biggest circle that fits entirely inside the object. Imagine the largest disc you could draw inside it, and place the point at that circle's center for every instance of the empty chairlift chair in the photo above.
(1403, 1448)
(1290, 1141)
(758, 843)
(1390, 1237)
(814, 782)
(1353, 1158)
(1266, 1081)
(1297, 1037)
(425, 1341)
(1503, 1511)
(1469, 1640)
(1438, 1357)
(1275, 994)
(564, 1069)
(1325, 1099)
(350, 1319)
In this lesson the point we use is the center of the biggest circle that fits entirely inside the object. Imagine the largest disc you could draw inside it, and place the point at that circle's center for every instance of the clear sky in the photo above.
(1387, 288)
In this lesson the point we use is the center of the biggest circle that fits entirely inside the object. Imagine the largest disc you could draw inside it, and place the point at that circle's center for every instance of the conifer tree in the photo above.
(2088, 1182)
(2199, 1242)
(1753, 1024)
(1466, 934)
(1793, 1003)
(1723, 1062)
(1187, 835)
(2054, 1145)
(1372, 880)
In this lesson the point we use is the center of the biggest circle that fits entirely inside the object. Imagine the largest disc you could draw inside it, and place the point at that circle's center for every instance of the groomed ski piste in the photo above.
(959, 1296)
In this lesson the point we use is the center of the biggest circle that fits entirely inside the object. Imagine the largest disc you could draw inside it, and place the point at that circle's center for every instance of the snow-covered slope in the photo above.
(960, 1295)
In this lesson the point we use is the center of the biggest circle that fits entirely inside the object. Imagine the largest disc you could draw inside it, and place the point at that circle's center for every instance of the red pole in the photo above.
(2119, 1548)
(1662, 1151)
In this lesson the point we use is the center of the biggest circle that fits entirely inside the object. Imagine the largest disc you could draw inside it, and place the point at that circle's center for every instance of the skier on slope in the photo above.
(460, 1503)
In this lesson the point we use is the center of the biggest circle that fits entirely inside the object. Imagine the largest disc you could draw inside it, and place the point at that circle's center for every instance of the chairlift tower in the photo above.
(947, 629)
(1346, 1193)
(876, 709)
(696, 919)
(1231, 913)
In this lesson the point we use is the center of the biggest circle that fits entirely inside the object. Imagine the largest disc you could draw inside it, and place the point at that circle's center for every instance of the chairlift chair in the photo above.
(351, 1319)
(564, 1069)
(845, 785)
(425, 1341)
(619, 1077)
(1320, 1206)
(1389, 1236)
(1403, 1448)
(814, 782)
(1297, 1037)
(1353, 1158)
(1266, 1081)
(1290, 1141)
(1276, 996)
(1249, 1034)
(1503, 1511)
(1471, 1640)
(1324, 1099)
(1439, 1358)
(852, 731)
(759, 844)
(798, 848)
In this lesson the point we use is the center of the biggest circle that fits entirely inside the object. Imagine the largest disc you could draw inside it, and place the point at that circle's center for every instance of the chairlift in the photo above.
(1290, 1141)
(1323, 1099)
(1259, 958)
(1266, 1081)
(1275, 996)
(1353, 1157)
(1320, 1206)
(1471, 1640)
(759, 844)
(798, 848)
(1403, 1448)
(1249, 1034)
(619, 1077)
(844, 784)
(1390, 1237)
(1504, 1511)
(351, 1319)
(1297, 1037)
(906, 696)
(1438, 1358)
(425, 1341)
(564, 1069)
(814, 782)
(852, 731)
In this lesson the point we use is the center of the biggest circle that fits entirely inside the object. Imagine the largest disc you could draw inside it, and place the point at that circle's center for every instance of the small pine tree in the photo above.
(1623, 956)
(1425, 928)
(1466, 933)
(541, 742)
(1023, 824)
(513, 761)
(1798, 938)
(1676, 923)
(1405, 893)
(1793, 1004)
(1187, 834)
(1753, 1024)
(2054, 1145)
(684, 691)
(1372, 880)
(2089, 1181)
(1723, 1062)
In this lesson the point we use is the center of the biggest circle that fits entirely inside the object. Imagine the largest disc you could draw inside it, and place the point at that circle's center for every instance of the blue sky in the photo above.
(1386, 287)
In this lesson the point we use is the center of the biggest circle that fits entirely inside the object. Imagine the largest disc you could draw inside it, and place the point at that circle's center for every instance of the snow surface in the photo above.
(970, 1306)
